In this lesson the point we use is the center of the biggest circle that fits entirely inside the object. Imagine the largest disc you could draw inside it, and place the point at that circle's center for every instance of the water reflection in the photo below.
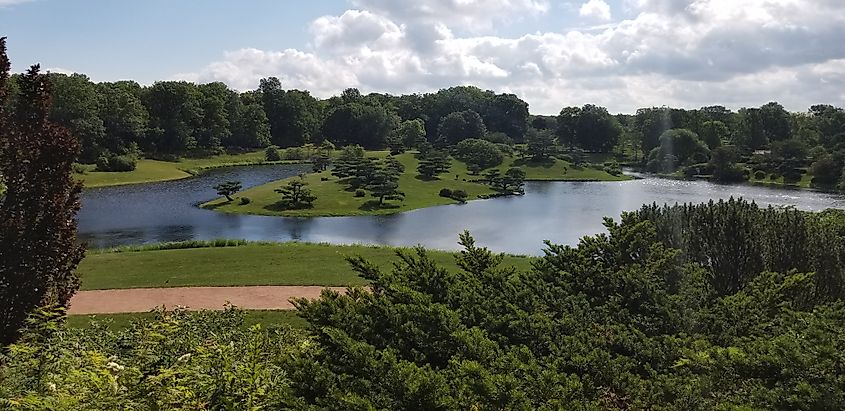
(559, 212)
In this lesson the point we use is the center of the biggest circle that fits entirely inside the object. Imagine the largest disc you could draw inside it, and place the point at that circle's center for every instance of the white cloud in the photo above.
(4, 3)
(596, 9)
(679, 52)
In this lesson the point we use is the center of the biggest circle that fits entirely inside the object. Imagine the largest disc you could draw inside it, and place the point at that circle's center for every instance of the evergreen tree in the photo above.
(295, 195)
(434, 164)
(39, 251)
(228, 188)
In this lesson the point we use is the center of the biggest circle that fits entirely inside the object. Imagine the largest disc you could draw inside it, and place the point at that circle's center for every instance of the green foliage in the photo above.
(39, 250)
(228, 188)
(411, 133)
(245, 200)
(113, 163)
(478, 154)
(678, 147)
(459, 126)
(271, 153)
(826, 171)
(723, 161)
(434, 164)
(540, 144)
(177, 360)
(295, 195)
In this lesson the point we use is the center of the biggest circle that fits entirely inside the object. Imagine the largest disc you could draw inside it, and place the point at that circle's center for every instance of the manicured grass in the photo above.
(559, 170)
(805, 182)
(116, 322)
(333, 199)
(251, 264)
(148, 171)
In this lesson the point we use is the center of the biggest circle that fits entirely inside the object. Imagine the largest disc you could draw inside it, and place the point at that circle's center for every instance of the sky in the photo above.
(621, 54)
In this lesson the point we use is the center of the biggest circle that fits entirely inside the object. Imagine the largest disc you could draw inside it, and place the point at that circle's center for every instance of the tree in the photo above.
(826, 171)
(723, 161)
(507, 113)
(478, 154)
(294, 115)
(384, 184)
(39, 251)
(540, 144)
(75, 107)
(252, 128)
(214, 127)
(434, 164)
(357, 122)
(567, 126)
(295, 195)
(123, 114)
(411, 132)
(713, 133)
(228, 188)
(459, 126)
(596, 129)
(677, 147)
(175, 115)
(271, 153)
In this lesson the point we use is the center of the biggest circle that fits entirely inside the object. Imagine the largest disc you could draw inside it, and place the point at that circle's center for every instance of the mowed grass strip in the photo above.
(334, 199)
(251, 264)
(149, 171)
(117, 322)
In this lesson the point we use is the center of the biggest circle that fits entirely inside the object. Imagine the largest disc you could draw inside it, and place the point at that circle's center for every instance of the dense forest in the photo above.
(118, 122)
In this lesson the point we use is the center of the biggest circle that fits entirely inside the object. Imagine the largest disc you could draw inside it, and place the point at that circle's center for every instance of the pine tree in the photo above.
(385, 185)
(295, 195)
(433, 164)
(228, 188)
(39, 251)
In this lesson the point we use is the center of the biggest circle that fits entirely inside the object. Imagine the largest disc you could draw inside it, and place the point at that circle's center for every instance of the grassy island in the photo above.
(333, 198)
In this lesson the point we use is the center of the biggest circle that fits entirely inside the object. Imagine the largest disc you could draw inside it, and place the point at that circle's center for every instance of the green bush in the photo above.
(445, 192)
(271, 153)
(759, 175)
(111, 163)
(245, 200)
(296, 153)
(459, 195)
(360, 193)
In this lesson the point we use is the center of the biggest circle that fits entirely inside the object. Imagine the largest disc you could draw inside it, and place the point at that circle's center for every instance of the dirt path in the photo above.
(194, 298)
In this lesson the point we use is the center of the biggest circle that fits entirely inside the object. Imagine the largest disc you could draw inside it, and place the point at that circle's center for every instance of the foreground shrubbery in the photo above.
(714, 306)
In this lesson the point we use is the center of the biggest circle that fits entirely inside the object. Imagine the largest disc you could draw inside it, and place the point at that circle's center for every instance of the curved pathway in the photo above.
(137, 300)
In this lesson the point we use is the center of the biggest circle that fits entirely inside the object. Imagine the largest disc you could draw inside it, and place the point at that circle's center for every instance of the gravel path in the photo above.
(137, 300)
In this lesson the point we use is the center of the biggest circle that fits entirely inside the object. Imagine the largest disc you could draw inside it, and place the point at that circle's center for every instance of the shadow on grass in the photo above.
(545, 163)
(373, 205)
(280, 206)
(426, 178)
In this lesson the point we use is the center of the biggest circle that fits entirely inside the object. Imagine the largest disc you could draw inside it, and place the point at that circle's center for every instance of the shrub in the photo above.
(774, 176)
(79, 168)
(116, 163)
(360, 193)
(271, 153)
(759, 175)
(245, 200)
(445, 192)
(459, 195)
(296, 153)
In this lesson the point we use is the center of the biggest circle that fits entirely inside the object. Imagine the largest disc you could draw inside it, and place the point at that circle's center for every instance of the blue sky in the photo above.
(623, 54)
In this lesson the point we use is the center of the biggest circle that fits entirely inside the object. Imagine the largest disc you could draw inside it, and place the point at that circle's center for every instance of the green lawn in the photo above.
(805, 182)
(251, 264)
(117, 322)
(559, 170)
(148, 171)
(333, 198)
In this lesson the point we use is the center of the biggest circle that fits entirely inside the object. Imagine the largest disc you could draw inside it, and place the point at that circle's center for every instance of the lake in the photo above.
(561, 212)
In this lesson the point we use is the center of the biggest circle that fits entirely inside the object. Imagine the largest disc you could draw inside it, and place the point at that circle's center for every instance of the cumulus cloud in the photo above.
(680, 52)
(596, 9)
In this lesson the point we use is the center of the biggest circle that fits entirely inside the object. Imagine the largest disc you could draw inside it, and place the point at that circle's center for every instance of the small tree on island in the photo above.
(228, 188)
(295, 195)
(434, 164)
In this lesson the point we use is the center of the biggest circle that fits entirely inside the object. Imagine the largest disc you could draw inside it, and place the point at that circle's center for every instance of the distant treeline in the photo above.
(172, 118)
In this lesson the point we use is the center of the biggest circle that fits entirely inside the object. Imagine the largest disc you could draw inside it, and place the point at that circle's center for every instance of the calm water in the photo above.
(559, 212)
